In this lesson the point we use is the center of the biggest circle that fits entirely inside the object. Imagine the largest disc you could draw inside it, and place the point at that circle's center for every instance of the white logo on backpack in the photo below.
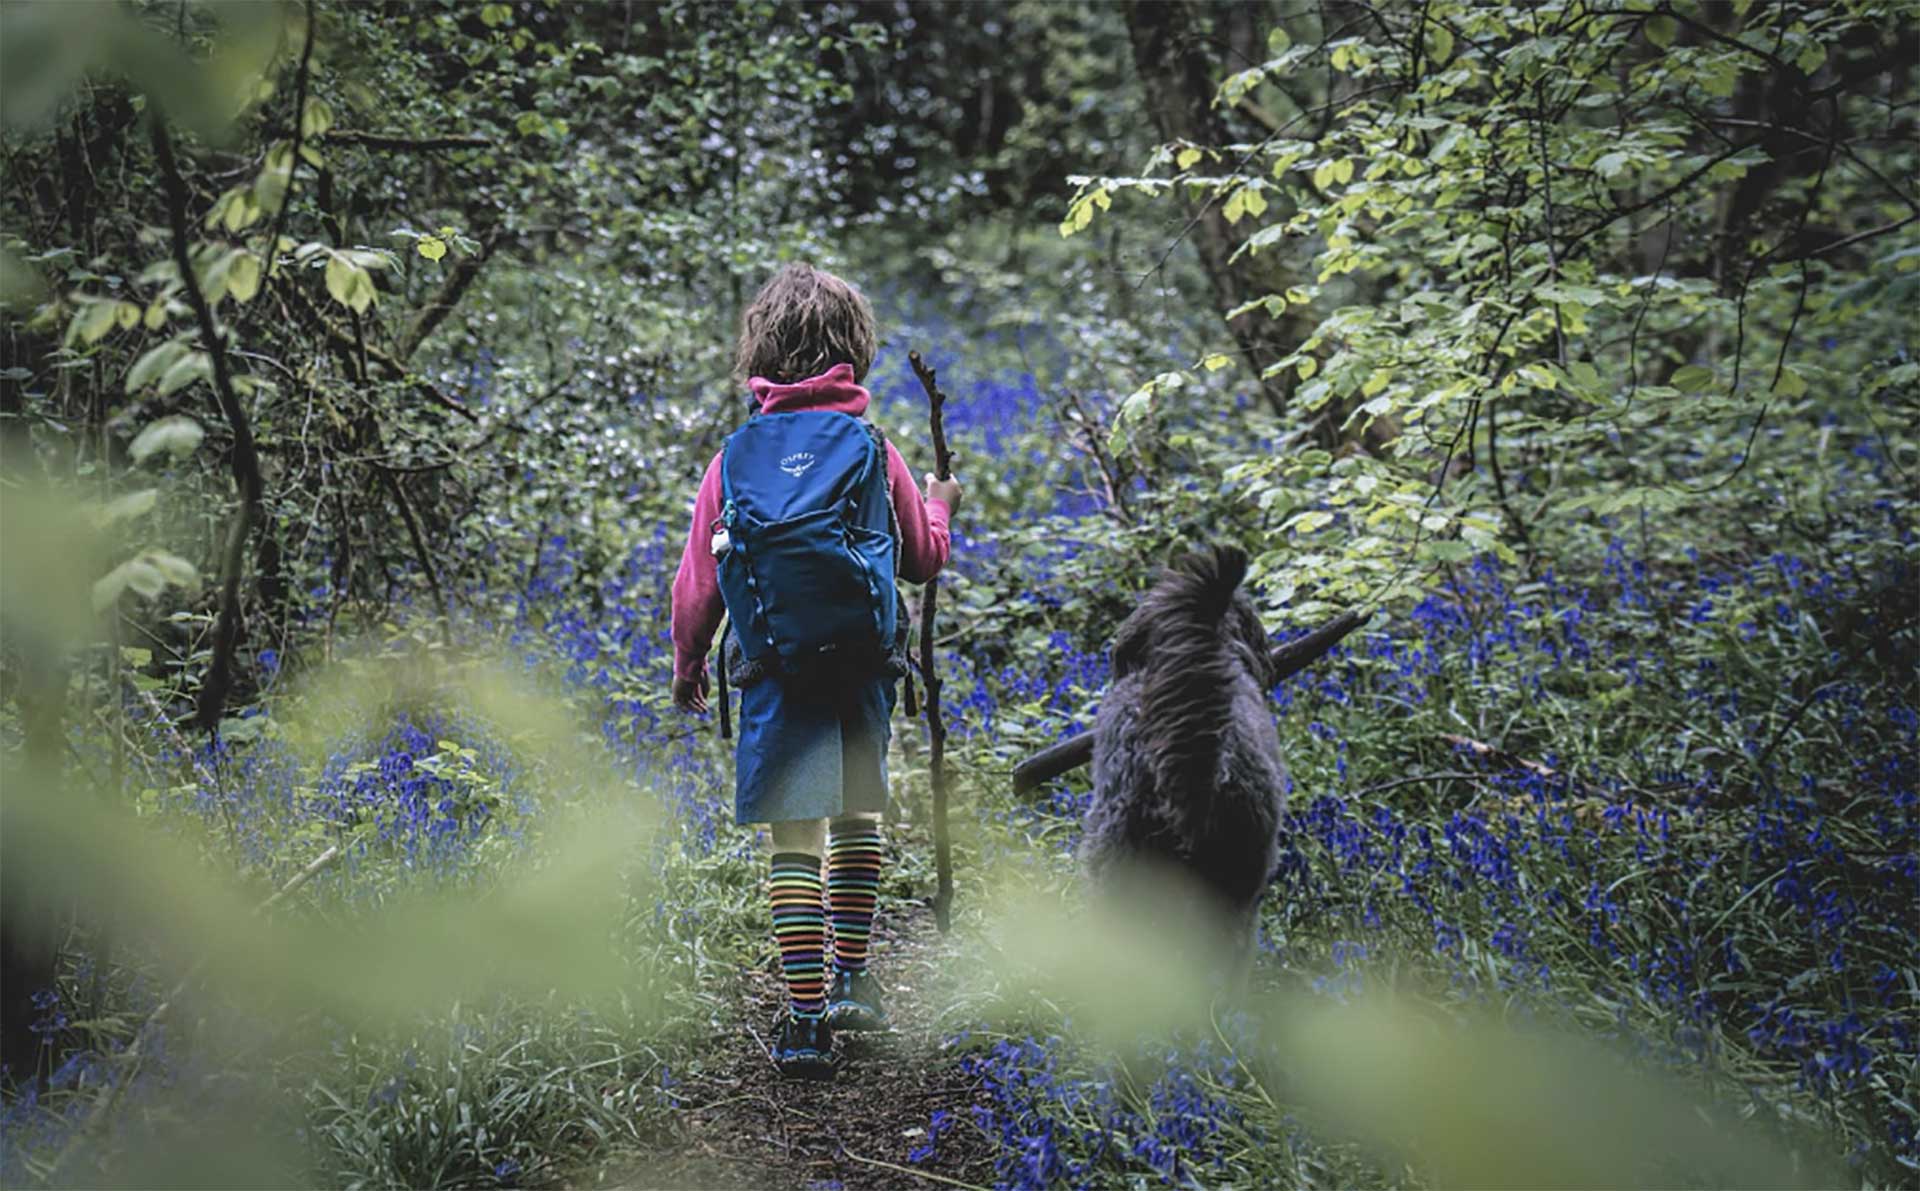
(796, 465)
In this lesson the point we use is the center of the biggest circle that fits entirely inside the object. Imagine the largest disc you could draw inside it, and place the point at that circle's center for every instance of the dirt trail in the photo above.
(744, 1126)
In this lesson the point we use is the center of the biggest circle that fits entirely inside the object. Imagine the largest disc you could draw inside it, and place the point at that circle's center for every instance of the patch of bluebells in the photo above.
(1814, 975)
(1059, 1126)
(421, 802)
(937, 1125)
(1721, 901)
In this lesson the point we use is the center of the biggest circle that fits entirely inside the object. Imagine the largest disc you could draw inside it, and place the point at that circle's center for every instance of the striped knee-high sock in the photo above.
(800, 930)
(853, 884)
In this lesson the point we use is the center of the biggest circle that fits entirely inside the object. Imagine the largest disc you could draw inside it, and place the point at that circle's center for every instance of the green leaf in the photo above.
(242, 212)
(362, 294)
(173, 569)
(270, 184)
(1216, 362)
(348, 283)
(94, 320)
(126, 508)
(1692, 378)
(431, 247)
(242, 729)
(177, 435)
(1661, 31)
(1307, 522)
(243, 275)
(1790, 384)
(317, 119)
(1540, 377)
(148, 575)
(151, 366)
(1439, 42)
(1186, 159)
(1278, 42)
(184, 371)
(1139, 406)
(212, 273)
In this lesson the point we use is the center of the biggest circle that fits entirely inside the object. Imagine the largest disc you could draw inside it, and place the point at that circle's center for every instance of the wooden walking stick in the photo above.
(936, 729)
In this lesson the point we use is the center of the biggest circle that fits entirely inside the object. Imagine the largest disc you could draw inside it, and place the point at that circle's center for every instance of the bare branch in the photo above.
(246, 461)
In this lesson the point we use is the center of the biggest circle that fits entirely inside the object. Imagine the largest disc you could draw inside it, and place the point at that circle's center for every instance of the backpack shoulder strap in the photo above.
(879, 440)
(726, 470)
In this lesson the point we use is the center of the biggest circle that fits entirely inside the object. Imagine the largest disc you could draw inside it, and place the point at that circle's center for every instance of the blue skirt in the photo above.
(812, 751)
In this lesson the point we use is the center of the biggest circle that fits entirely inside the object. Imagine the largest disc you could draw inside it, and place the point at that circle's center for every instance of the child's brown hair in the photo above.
(802, 322)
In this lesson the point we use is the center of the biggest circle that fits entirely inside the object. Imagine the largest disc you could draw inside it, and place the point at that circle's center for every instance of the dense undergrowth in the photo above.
(1572, 340)
(1663, 796)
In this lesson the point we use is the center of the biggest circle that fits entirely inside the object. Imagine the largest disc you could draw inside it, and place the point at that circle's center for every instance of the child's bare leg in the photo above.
(800, 835)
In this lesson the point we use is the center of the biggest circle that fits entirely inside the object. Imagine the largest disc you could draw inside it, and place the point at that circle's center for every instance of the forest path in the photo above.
(742, 1125)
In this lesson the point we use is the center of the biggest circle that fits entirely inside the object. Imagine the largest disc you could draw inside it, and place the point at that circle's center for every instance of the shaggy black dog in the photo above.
(1187, 776)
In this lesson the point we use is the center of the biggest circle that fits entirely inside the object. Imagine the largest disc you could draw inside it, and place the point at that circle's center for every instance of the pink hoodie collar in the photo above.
(834, 391)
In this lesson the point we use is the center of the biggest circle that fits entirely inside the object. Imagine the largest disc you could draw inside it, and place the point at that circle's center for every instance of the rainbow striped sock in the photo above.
(853, 886)
(800, 930)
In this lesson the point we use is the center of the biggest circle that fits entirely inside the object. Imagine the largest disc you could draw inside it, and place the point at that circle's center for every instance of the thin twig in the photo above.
(293, 161)
(1383, 787)
(919, 1174)
(246, 461)
(420, 553)
(405, 144)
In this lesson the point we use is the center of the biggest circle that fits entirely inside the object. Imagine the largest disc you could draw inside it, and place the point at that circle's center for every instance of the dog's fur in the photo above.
(1187, 774)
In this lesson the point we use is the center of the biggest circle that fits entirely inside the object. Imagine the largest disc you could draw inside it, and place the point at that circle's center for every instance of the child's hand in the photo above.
(945, 491)
(690, 694)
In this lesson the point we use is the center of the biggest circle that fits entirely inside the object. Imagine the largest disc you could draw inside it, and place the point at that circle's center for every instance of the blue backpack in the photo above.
(806, 569)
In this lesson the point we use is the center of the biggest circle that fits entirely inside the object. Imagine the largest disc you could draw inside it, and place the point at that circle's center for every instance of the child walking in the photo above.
(801, 524)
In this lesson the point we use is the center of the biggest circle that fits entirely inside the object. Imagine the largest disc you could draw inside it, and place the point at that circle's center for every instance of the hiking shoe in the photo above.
(853, 1004)
(803, 1047)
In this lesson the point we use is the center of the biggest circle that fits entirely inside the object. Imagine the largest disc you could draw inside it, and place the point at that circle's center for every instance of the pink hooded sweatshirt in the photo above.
(696, 591)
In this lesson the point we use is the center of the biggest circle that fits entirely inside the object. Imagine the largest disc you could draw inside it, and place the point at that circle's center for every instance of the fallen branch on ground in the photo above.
(1287, 660)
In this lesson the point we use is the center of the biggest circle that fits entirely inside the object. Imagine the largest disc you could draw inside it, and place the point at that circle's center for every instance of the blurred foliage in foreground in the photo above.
(1578, 339)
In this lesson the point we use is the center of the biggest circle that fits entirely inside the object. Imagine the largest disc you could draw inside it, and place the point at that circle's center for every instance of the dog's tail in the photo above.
(1182, 708)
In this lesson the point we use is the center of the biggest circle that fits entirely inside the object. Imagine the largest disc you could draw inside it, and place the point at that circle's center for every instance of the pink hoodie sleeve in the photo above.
(924, 534)
(696, 589)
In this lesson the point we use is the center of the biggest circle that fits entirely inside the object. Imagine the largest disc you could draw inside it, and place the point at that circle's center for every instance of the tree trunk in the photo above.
(1173, 54)
(37, 683)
